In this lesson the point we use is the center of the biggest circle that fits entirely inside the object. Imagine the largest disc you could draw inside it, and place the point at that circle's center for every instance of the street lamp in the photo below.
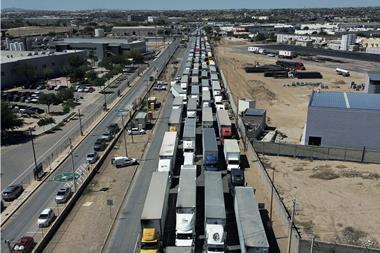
(105, 98)
(121, 111)
(80, 122)
(34, 150)
(73, 166)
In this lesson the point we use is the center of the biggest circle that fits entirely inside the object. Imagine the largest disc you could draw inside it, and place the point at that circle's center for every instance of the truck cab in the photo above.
(149, 241)
(215, 238)
(23, 245)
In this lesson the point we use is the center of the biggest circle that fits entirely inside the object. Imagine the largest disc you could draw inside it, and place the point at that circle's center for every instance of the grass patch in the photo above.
(325, 174)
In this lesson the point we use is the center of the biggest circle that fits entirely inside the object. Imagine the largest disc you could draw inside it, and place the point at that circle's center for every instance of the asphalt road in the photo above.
(16, 168)
(125, 232)
(24, 220)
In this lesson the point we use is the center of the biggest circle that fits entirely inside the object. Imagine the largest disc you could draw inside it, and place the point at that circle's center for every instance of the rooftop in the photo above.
(95, 40)
(374, 75)
(12, 56)
(254, 112)
(345, 100)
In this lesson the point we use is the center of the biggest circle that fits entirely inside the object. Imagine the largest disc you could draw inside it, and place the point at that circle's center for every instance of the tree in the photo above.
(91, 75)
(100, 81)
(66, 94)
(47, 99)
(9, 119)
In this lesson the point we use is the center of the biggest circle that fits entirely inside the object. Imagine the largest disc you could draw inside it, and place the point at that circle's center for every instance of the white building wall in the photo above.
(348, 128)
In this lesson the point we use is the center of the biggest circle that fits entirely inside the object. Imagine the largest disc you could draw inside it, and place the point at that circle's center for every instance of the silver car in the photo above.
(136, 131)
(63, 195)
(92, 157)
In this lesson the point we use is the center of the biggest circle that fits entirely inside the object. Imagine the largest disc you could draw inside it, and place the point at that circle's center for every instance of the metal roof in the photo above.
(216, 85)
(345, 100)
(155, 198)
(248, 218)
(195, 90)
(223, 118)
(205, 82)
(206, 95)
(214, 198)
(189, 128)
(207, 114)
(178, 101)
(209, 140)
(168, 146)
(192, 104)
(254, 112)
(187, 188)
(231, 145)
(175, 116)
(374, 75)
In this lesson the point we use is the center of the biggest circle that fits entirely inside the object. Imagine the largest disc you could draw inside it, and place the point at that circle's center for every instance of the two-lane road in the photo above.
(23, 222)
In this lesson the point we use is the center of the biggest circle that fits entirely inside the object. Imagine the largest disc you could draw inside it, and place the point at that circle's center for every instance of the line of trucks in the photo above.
(196, 103)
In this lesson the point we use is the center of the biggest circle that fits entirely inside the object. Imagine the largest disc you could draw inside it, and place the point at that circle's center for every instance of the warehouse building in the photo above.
(340, 119)
(101, 47)
(40, 62)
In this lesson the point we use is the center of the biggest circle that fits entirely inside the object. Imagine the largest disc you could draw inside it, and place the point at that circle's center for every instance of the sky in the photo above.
(180, 4)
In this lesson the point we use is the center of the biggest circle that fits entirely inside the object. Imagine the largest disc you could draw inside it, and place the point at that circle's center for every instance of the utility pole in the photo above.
(80, 122)
(73, 167)
(105, 98)
(34, 150)
(125, 140)
(271, 198)
(291, 225)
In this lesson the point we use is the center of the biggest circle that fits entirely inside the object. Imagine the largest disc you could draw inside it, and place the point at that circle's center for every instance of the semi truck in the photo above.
(207, 118)
(189, 140)
(231, 152)
(192, 108)
(216, 88)
(194, 93)
(286, 54)
(175, 120)
(290, 65)
(215, 213)
(252, 236)
(206, 98)
(184, 82)
(186, 207)
(210, 149)
(224, 125)
(154, 213)
(168, 152)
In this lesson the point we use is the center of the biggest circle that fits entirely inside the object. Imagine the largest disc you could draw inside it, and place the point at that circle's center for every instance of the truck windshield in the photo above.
(215, 248)
(233, 162)
(149, 245)
(184, 236)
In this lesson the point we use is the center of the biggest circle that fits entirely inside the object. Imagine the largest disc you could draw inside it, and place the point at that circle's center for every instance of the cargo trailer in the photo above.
(210, 149)
(231, 152)
(207, 117)
(168, 152)
(192, 108)
(175, 120)
(224, 125)
(206, 98)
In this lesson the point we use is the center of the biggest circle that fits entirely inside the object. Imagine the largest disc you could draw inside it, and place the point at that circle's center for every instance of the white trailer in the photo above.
(216, 88)
(168, 152)
(252, 236)
(184, 82)
(286, 54)
(231, 154)
(215, 213)
(186, 207)
(342, 72)
(189, 140)
(244, 104)
(207, 118)
(177, 91)
(253, 49)
(192, 108)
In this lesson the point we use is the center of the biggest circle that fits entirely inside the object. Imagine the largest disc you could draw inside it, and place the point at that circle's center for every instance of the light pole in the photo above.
(73, 167)
(34, 150)
(105, 98)
(125, 138)
(80, 122)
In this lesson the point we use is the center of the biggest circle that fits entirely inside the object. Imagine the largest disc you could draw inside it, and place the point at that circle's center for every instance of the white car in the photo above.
(107, 136)
(122, 161)
(92, 157)
(136, 131)
(46, 217)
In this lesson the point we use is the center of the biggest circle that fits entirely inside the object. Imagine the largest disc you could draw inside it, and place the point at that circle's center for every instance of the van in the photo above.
(122, 161)
(46, 217)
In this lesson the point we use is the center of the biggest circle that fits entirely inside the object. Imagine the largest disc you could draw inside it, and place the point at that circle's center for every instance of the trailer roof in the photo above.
(205, 82)
(184, 78)
(214, 198)
(187, 188)
(216, 85)
(175, 116)
(206, 95)
(189, 130)
(248, 216)
(214, 76)
(168, 144)
(207, 114)
(192, 104)
(223, 118)
(178, 100)
(231, 145)
(195, 90)
(155, 198)
(141, 115)
(194, 79)
(209, 140)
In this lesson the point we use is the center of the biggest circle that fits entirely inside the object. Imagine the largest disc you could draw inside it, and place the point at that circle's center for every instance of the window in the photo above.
(316, 141)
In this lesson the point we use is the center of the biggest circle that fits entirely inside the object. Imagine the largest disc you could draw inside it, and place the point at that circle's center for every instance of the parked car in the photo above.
(46, 217)
(122, 161)
(63, 195)
(107, 136)
(100, 145)
(113, 128)
(25, 244)
(159, 87)
(12, 192)
(136, 131)
(92, 157)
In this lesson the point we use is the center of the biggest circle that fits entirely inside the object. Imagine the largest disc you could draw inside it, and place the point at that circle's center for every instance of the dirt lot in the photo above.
(286, 106)
(336, 201)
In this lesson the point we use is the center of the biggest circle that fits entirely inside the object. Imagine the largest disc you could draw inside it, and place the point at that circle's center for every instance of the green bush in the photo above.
(45, 121)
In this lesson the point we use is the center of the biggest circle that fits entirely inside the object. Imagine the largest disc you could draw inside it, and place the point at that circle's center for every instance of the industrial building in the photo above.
(41, 61)
(139, 31)
(347, 42)
(101, 47)
(340, 119)
(373, 82)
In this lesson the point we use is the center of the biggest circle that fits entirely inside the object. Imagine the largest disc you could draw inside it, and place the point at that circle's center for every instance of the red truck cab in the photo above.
(226, 133)
(25, 244)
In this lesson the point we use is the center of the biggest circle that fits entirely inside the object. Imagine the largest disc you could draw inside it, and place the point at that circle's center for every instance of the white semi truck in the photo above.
(231, 154)
(168, 152)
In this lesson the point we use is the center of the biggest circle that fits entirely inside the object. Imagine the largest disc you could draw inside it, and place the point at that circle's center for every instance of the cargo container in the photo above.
(216, 88)
(210, 149)
(184, 82)
(140, 120)
(213, 70)
(175, 120)
(252, 236)
(192, 108)
(206, 98)
(194, 93)
(231, 152)
(177, 91)
(189, 135)
(154, 213)
(214, 77)
(205, 83)
(253, 49)
(215, 213)
(177, 102)
(207, 117)
(218, 101)
(224, 125)
(246, 103)
(168, 151)
(204, 74)
(186, 207)
(342, 72)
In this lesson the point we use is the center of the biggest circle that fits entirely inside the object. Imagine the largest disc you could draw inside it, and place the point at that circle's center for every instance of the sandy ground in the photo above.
(336, 201)
(286, 106)
(341, 207)
(91, 213)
